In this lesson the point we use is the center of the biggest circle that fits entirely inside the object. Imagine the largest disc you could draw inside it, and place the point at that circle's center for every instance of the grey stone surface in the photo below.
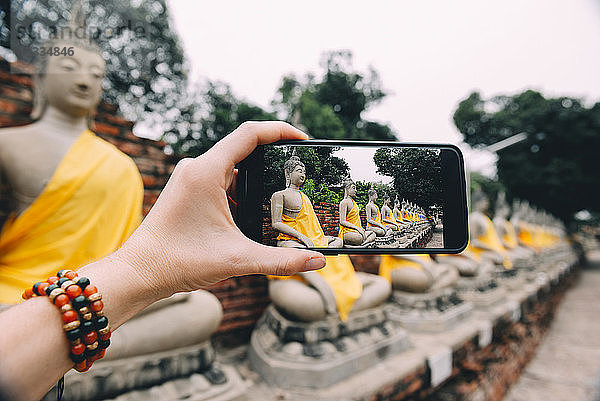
(566, 366)
(432, 311)
(320, 354)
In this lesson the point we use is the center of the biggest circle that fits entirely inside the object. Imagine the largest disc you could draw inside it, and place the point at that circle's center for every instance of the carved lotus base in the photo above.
(431, 312)
(290, 354)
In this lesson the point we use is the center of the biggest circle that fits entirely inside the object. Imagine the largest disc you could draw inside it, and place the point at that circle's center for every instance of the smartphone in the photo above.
(354, 197)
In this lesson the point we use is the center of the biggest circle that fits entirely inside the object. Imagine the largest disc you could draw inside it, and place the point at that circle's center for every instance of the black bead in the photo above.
(60, 273)
(101, 322)
(74, 334)
(87, 326)
(77, 358)
(35, 288)
(83, 282)
(91, 352)
(103, 344)
(79, 302)
(61, 281)
(51, 288)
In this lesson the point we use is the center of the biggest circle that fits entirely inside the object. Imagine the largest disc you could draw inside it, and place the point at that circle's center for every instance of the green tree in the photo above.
(322, 168)
(212, 113)
(332, 107)
(555, 168)
(146, 69)
(416, 174)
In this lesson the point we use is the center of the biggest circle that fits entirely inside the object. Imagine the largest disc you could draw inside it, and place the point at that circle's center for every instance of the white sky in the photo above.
(429, 54)
(362, 166)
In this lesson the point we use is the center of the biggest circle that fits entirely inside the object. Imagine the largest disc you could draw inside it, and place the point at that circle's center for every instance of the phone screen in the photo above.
(360, 196)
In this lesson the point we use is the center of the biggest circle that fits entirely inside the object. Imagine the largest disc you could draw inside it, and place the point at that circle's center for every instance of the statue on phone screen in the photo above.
(351, 229)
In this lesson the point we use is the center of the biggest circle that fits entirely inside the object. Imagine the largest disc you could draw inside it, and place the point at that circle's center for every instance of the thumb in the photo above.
(283, 261)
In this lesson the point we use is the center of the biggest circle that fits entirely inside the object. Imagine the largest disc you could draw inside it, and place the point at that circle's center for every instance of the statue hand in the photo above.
(189, 240)
(307, 241)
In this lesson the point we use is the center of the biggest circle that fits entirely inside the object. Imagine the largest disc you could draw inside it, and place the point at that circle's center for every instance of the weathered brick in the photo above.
(106, 129)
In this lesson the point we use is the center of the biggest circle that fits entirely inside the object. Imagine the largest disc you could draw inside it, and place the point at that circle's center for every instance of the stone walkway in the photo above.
(566, 366)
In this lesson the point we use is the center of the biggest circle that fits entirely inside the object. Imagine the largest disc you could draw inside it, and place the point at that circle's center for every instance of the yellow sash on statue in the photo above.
(510, 237)
(90, 206)
(338, 271)
(390, 262)
(377, 219)
(353, 217)
(306, 222)
(491, 239)
(390, 217)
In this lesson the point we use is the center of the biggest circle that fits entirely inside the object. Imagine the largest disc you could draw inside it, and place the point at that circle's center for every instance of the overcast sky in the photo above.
(429, 54)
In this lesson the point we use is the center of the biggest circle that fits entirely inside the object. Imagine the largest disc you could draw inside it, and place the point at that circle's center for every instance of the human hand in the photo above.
(189, 240)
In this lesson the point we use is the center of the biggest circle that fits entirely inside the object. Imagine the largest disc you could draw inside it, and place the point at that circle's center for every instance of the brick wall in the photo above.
(243, 298)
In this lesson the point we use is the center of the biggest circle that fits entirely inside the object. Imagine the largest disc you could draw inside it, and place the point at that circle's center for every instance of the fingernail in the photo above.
(315, 263)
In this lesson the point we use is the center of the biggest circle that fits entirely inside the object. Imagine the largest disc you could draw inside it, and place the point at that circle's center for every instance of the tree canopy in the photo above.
(556, 167)
(146, 71)
(331, 106)
(416, 174)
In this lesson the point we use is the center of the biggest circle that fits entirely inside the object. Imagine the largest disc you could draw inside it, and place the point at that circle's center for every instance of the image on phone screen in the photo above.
(358, 197)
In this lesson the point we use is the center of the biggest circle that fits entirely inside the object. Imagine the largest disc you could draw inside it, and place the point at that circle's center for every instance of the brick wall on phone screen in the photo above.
(243, 298)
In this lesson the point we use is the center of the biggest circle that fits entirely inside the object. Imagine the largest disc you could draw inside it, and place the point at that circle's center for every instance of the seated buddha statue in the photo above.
(526, 232)
(387, 215)
(416, 273)
(374, 221)
(77, 197)
(507, 232)
(334, 289)
(484, 240)
(398, 215)
(351, 229)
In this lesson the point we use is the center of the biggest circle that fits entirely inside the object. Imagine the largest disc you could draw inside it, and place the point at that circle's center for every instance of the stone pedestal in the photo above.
(431, 312)
(131, 378)
(482, 292)
(296, 355)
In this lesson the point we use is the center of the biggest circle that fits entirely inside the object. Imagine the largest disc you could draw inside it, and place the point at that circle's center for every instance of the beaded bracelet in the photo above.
(81, 307)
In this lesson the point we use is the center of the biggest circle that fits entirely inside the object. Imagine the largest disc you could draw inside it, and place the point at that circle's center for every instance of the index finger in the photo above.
(236, 146)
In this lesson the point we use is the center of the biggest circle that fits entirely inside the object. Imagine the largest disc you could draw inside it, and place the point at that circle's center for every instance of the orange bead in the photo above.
(97, 306)
(78, 349)
(69, 316)
(73, 291)
(42, 288)
(61, 300)
(105, 336)
(70, 275)
(89, 290)
(81, 367)
(90, 337)
(52, 280)
(28, 293)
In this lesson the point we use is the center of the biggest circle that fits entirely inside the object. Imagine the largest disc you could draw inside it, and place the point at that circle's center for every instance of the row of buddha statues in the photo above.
(65, 184)
(297, 225)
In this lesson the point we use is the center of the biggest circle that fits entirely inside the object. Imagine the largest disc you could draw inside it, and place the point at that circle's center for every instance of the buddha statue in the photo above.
(398, 214)
(484, 241)
(335, 289)
(77, 197)
(351, 229)
(506, 230)
(417, 273)
(374, 219)
(387, 215)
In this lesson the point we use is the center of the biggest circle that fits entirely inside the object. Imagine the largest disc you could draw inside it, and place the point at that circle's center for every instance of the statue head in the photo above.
(349, 188)
(372, 194)
(294, 171)
(386, 200)
(71, 83)
(480, 201)
(396, 202)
